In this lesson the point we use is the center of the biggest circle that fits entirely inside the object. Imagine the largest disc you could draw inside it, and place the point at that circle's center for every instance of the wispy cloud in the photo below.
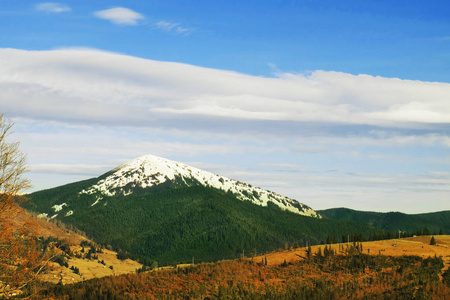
(78, 169)
(52, 7)
(172, 27)
(113, 89)
(102, 85)
(120, 15)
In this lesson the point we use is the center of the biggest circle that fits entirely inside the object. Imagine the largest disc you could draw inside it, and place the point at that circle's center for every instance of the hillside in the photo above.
(156, 209)
(43, 228)
(394, 221)
(395, 269)
(74, 264)
(65, 245)
(417, 246)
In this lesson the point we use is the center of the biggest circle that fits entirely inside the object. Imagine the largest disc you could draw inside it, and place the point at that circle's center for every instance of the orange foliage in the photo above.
(21, 258)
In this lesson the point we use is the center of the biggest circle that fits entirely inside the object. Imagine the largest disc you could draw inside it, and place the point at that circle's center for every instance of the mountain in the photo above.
(157, 209)
(393, 221)
(152, 172)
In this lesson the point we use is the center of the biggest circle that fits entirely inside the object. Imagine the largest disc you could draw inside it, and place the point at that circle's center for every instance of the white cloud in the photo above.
(120, 15)
(372, 139)
(172, 27)
(52, 7)
(95, 86)
(78, 169)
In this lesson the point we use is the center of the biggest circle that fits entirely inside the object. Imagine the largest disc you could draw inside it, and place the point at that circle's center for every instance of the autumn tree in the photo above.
(21, 256)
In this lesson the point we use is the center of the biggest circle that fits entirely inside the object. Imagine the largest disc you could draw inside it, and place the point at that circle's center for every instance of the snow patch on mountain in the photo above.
(97, 200)
(43, 216)
(59, 207)
(149, 171)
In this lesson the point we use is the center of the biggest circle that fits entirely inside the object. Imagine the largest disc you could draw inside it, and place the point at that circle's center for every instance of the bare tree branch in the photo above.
(21, 257)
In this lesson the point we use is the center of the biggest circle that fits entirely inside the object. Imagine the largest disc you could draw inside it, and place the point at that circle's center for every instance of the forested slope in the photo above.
(177, 225)
(438, 222)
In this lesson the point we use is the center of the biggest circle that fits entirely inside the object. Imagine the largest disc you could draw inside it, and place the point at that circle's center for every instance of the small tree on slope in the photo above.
(432, 241)
(21, 257)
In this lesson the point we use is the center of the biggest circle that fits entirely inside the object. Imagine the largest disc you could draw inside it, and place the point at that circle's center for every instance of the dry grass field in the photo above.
(419, 246)
(90, 268)
(287, 275)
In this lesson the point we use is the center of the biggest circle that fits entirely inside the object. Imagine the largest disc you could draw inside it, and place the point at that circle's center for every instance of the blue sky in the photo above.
(331, 103)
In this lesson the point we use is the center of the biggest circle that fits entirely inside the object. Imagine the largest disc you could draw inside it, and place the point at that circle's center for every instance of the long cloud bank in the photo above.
(326, 138)
(85, 85)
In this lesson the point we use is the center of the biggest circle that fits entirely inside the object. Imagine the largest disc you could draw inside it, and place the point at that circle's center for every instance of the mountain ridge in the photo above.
(392, 221)
(150, 171)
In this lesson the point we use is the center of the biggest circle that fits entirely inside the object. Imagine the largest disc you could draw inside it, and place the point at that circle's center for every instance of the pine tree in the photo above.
(309, 252)
(319, 253)
(325, 251)
(432, 241)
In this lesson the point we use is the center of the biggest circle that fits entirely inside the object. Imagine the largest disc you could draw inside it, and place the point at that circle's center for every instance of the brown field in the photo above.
(90, 268)
(419, 246)
(335, 277)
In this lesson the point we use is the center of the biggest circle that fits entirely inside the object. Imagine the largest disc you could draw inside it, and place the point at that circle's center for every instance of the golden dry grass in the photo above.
(418, 246)
(90, 268)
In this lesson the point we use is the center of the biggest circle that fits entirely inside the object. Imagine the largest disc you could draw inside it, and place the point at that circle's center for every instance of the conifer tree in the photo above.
(432, 241)
(309, 252)
(319, 253)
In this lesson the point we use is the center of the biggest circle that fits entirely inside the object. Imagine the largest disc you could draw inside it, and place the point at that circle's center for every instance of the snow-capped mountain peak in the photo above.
(149, 171)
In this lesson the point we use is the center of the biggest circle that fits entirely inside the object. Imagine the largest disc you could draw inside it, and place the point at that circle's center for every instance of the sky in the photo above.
(333, 103)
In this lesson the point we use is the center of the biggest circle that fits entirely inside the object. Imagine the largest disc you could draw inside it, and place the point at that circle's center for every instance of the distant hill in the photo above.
(393, 221)
(161, 210)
